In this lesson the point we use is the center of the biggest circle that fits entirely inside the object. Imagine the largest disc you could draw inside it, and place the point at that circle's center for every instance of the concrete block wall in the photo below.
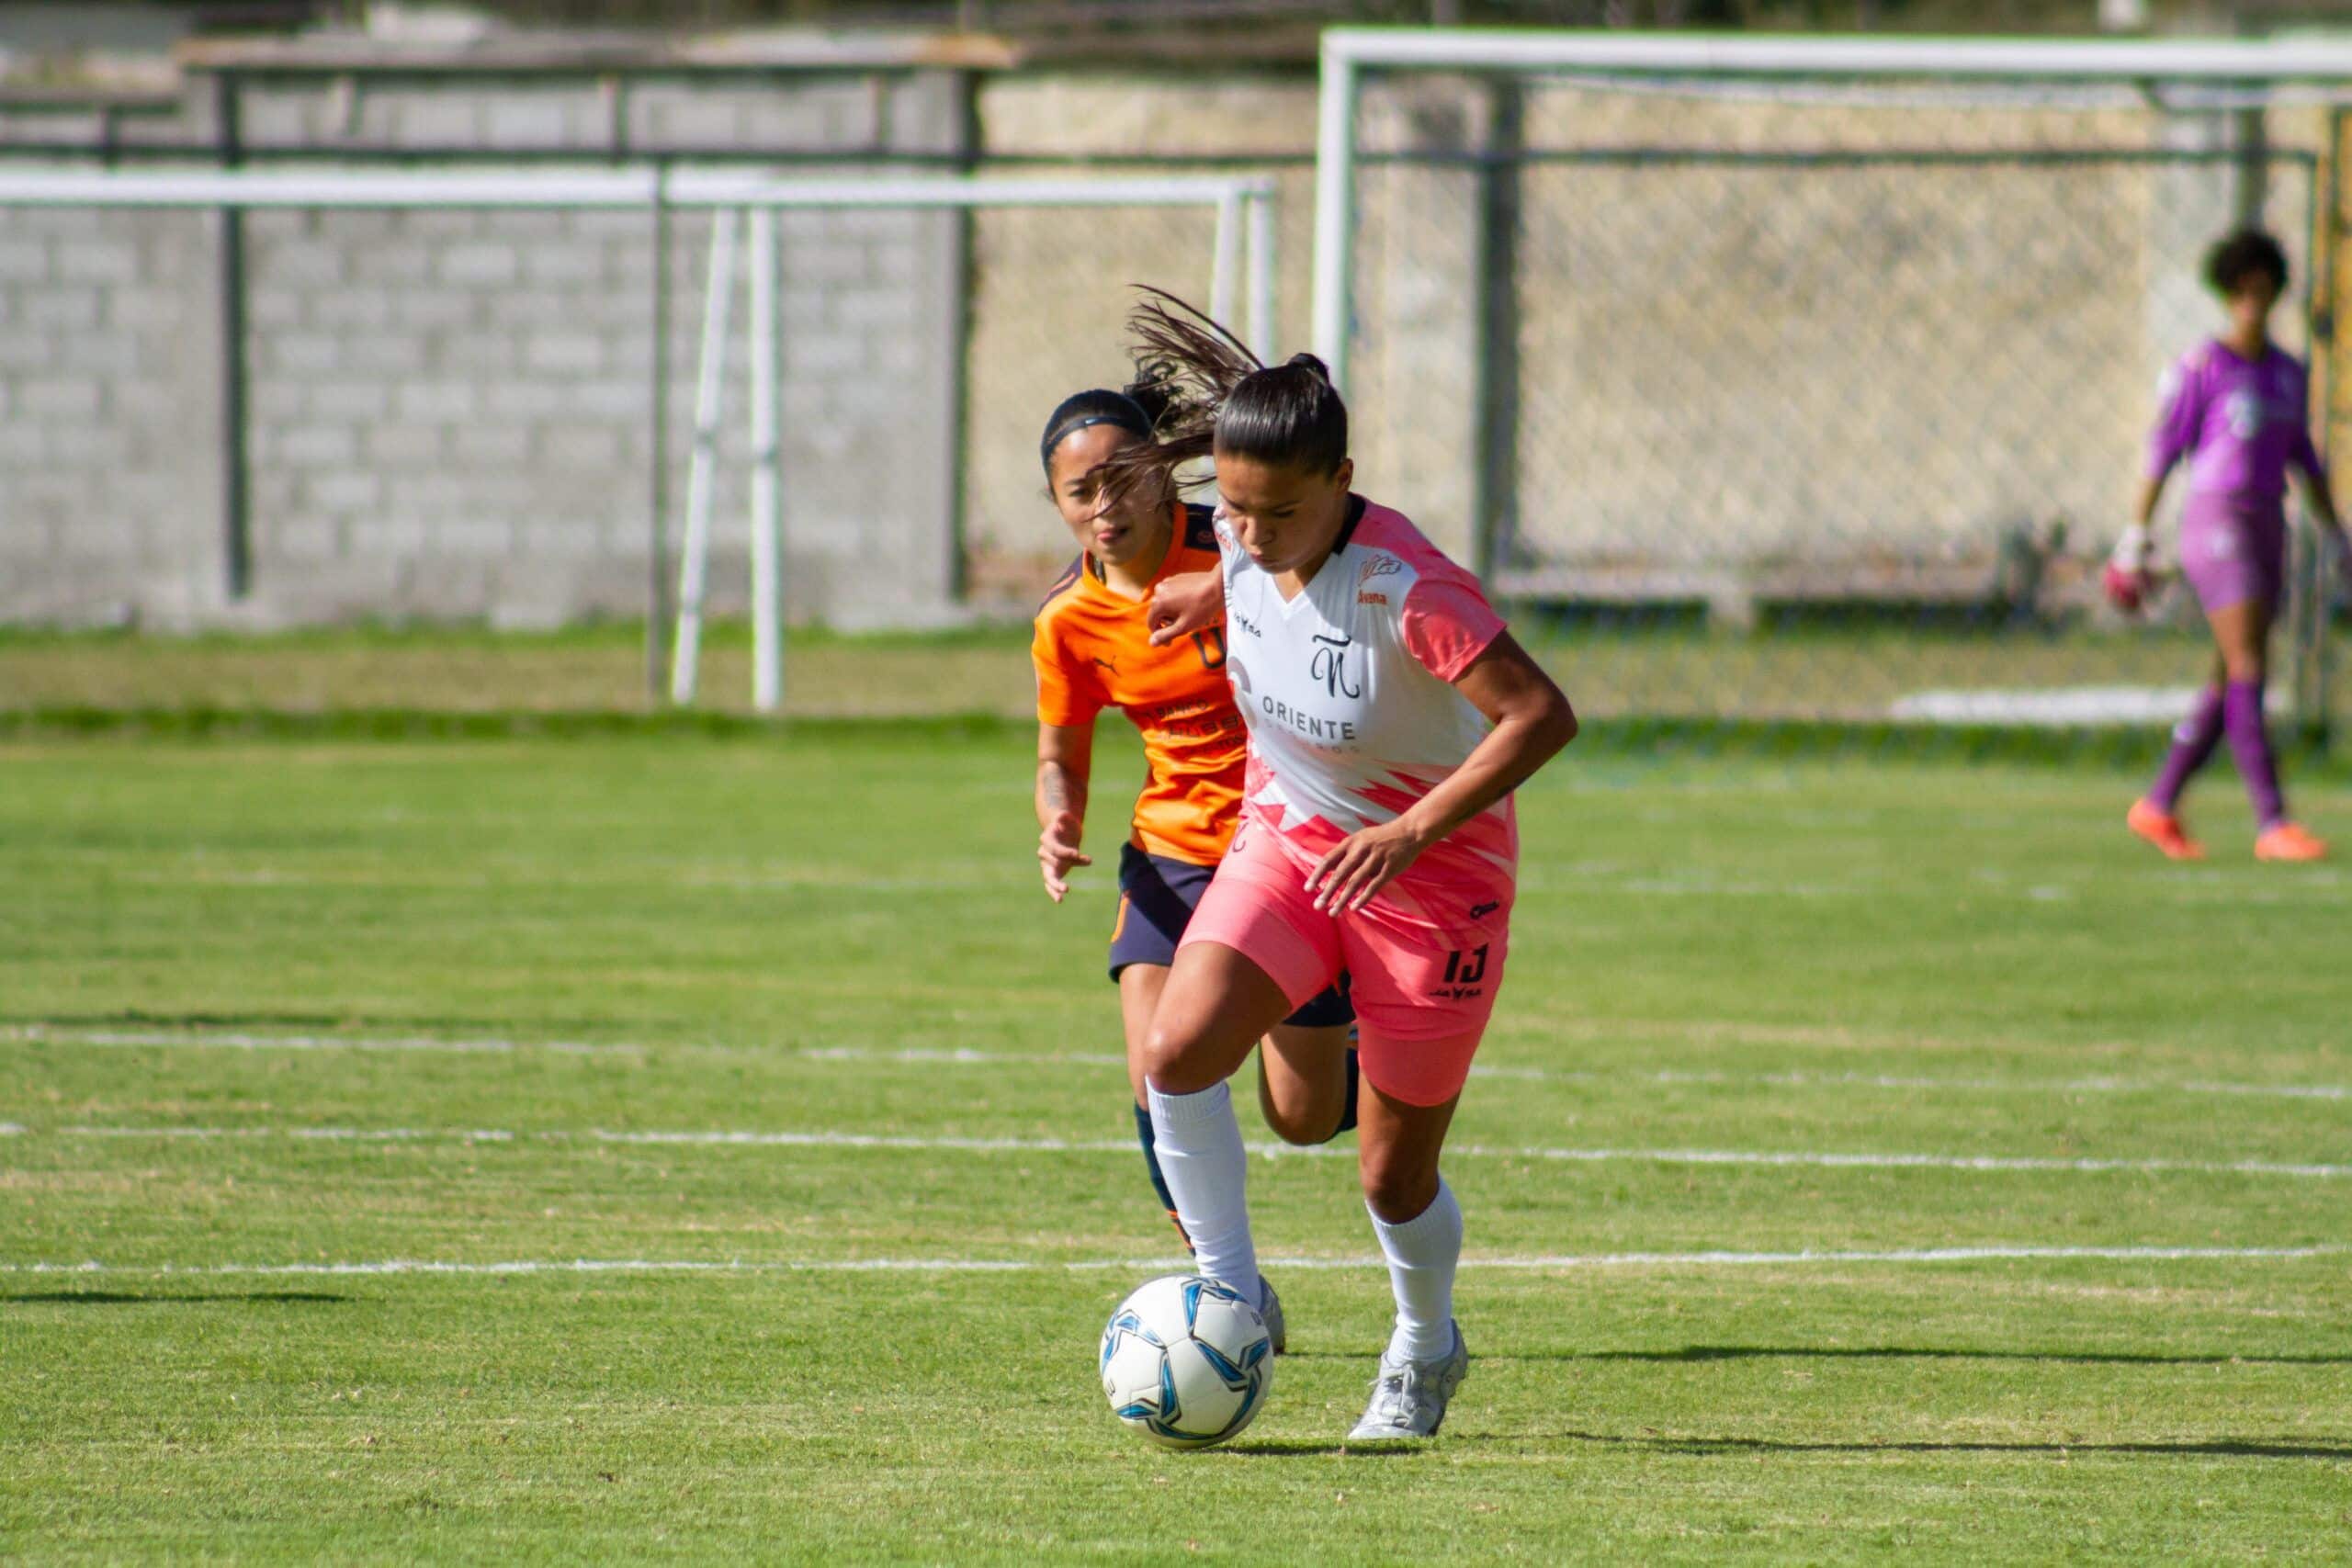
(109, 383)
(448, 412)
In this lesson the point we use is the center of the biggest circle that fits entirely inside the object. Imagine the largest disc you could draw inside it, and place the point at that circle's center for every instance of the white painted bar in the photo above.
(694, 563)
(2070, 59)
(767, 526)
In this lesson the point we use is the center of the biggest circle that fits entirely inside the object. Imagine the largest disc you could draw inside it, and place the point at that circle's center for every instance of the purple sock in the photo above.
(2192, 742)
(2242, 718)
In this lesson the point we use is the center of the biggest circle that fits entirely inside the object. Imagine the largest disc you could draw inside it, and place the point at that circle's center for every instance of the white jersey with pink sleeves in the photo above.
(1347, 693)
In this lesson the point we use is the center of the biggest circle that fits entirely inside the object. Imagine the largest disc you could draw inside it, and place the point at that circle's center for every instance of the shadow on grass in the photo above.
(2189, 1448)
(1308, 1447)
(1695, 1354)
(1698, 1353)
(126, 1298)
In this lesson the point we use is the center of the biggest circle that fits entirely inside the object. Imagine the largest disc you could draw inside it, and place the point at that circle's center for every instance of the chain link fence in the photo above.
(1812, 404)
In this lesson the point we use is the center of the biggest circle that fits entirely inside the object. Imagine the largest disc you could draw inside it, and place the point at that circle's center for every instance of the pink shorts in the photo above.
(1422, 995)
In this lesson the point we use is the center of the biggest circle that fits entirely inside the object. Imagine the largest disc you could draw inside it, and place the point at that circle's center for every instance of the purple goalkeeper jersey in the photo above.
(2240, 423)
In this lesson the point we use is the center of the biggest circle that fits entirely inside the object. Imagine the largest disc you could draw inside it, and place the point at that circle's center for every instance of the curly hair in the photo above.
(2238, 256)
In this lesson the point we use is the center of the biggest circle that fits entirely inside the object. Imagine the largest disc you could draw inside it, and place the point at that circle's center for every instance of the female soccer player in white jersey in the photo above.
(1390, 718)
(1092, 651)
(2237, 407)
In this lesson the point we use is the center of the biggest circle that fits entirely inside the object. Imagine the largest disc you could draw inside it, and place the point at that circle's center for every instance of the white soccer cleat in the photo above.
(1269, 1309)
(1408, 1398)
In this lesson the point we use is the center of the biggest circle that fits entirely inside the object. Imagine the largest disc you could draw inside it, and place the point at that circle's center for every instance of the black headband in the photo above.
(1131, 419)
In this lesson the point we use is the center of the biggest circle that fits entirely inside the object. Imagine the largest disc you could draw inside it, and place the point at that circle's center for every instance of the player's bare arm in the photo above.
(1531, 721)
(1065, 761)
(1183, 605)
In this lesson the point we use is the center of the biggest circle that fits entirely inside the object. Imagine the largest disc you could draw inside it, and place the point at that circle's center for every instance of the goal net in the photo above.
(1809, 380)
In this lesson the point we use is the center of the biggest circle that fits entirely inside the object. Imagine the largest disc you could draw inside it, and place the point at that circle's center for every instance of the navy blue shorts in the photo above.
(1157, 897)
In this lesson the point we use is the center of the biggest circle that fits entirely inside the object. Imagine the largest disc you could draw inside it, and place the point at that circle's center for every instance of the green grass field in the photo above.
(1851, 673)
(751, 1131)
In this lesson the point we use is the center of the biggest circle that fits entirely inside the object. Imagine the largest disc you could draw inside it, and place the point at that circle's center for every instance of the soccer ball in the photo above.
(1186, 1361)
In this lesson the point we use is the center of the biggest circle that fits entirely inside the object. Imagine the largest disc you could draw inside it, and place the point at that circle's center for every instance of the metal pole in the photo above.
(710, 390)
(236, 521)
(657, 554)
(1224, 266)
(767, 629)
(1334, 153)
(1262, 274)
(2320, 286)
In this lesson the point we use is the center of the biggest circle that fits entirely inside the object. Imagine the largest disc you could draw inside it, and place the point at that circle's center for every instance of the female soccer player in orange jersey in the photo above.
(1092, 651)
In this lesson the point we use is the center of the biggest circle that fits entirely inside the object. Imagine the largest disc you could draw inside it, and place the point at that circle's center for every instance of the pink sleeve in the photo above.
(1448, 622)
(2182, 416)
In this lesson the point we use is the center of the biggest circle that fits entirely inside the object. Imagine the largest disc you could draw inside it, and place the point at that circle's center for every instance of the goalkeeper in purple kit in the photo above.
(2237, 411)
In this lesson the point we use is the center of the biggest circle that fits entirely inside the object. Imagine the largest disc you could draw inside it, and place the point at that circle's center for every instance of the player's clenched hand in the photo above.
(1183, 605)
(1058, 853)
(1362, 865)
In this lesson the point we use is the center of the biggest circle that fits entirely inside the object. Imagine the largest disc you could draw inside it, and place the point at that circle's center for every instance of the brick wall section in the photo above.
(108, 444)
(448, 411)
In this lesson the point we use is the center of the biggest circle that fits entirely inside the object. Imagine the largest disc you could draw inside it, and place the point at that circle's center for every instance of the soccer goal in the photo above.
(448, 393)
(1240, 269)
(1847, 347)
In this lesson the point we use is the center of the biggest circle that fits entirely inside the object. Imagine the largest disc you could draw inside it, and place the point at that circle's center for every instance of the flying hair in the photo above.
(1221, 397)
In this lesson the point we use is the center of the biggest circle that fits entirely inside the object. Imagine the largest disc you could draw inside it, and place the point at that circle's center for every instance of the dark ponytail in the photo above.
(1290, 415)
(1221, 397)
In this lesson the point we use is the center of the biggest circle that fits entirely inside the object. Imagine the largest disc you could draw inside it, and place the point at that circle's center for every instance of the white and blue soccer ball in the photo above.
(1186, 1361)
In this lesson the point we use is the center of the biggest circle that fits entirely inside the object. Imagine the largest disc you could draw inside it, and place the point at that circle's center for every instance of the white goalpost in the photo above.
(1240, 266)
(1730, 324)
(1241, 274)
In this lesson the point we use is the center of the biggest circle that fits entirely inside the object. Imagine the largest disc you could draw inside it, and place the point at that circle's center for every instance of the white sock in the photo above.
(1422, 1253)
(1201, 1155)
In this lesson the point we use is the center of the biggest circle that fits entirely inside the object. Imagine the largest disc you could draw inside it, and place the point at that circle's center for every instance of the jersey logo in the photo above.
(1480, 911)
(2244, 410)
(1378, 566)
(1380, 599)
(1330, 666)
(1110, 664)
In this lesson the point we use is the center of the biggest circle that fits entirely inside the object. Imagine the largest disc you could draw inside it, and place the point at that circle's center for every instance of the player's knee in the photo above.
(1397, 1188)
(1300, 1124)
(1176, 1060)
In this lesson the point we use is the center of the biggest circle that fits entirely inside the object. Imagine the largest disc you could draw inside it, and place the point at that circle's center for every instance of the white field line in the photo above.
(970, 1057)
(170, 1039)
(755, 1138)
(967, 1057)
(1806, 1258)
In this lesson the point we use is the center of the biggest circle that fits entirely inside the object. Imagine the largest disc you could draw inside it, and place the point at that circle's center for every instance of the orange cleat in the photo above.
(2289, 841)
(2163, 829)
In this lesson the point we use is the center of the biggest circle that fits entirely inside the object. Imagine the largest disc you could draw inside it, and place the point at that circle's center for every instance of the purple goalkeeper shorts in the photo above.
(2234, 550)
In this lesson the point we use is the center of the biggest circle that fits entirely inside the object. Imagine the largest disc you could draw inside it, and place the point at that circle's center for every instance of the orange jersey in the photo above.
(1093, 649)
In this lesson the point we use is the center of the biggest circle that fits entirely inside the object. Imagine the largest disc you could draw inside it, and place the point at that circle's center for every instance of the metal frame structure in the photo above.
(2252, 69)
(1350, 51)
(1242, 278)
